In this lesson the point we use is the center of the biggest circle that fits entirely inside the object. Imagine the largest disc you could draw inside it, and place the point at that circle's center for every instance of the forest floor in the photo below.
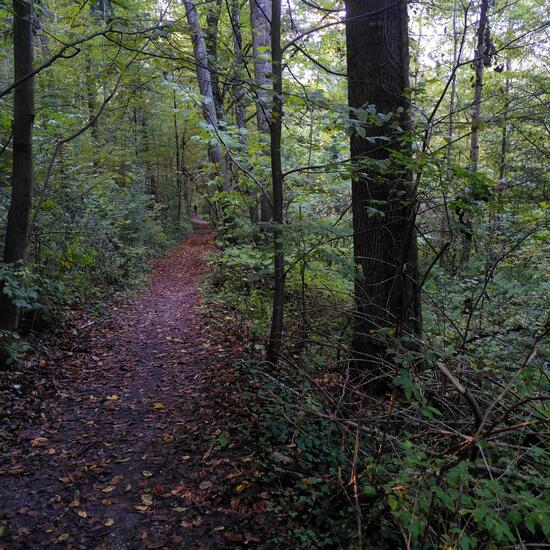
(130, 433)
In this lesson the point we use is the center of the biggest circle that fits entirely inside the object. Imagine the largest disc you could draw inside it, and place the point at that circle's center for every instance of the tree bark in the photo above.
(260, 13)
(238, 92)
(480, 59)
(17, 230)
(211, 39)
(216, 154)
(387, 295)
(276, 334)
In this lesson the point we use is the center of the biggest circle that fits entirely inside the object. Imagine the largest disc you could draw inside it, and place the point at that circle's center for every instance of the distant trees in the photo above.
(387, 296)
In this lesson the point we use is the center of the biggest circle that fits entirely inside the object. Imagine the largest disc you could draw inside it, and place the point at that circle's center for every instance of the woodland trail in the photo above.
(134, 450)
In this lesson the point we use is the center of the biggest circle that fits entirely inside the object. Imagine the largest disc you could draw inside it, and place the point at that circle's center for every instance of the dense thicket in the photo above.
(375, 170)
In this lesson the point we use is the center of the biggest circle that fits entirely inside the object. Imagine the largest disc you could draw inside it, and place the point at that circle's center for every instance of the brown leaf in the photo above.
(233, 537)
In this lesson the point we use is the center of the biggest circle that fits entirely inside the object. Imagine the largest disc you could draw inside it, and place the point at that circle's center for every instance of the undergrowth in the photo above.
(451, 455)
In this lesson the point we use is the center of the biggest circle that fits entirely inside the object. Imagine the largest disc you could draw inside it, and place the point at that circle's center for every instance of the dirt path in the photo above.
(136, 449)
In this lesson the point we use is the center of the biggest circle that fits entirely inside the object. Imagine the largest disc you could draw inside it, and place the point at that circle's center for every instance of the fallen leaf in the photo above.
(205, 485)
(242, 486)
(39, 442)
(82, 514)
(108, 489)
(282, 458)
(233, 537)
(108, 522)
(186, 525)
(158, 405)
(113, 397)
(146, 473)
(146, 499)
(140, 507)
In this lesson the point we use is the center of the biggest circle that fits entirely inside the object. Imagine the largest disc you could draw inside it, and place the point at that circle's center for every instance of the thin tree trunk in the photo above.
(504, 138)
(239, 98)
(276, 334)
(217, 156)
(446, 231)
(384, 199)
(179, 172)
(238, 92)
(17, 230)
(480, 59)
(260, 13)
(91, 94)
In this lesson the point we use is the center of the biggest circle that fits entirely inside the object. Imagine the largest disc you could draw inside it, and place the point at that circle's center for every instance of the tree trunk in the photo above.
(238, 92)
(480, 59)
(211, 40)
(17, 229)
(276, 334)
(383, 193)
(216, 154)
(179, 163)
(260, 12)
(91, 95)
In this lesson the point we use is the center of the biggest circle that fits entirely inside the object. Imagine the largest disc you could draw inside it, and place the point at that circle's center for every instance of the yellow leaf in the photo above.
(82, 514)
(113, 397)
(242, 486)
(141, 507)
(146, 499)
(146, 473)
(108, 522)
(158, 405)
(39, 441)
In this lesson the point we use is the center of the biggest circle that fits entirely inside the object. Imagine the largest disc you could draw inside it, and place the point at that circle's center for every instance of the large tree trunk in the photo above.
(260, 13)
(17, 229)
(276, 334)
(213, 12)
(217, 156)
(383, 193)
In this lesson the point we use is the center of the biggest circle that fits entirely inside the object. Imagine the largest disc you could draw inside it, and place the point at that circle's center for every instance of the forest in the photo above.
(274, 274)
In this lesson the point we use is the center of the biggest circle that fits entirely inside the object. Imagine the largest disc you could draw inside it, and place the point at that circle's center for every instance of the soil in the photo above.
(130, 436)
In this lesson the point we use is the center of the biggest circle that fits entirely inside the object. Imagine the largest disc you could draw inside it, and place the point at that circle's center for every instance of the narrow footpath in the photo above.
(138, 446)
